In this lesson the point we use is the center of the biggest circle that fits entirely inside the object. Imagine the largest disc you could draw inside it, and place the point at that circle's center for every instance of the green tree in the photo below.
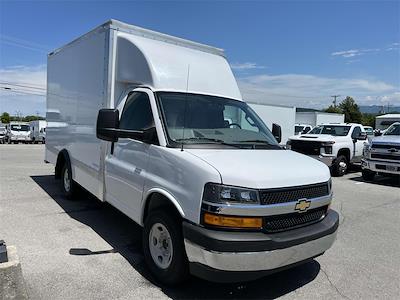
(5, 117)
(333, 109)
(32, 118)
(368, 120)
(350, 110)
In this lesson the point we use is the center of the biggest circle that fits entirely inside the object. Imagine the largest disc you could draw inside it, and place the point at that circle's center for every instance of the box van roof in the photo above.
(166, 63)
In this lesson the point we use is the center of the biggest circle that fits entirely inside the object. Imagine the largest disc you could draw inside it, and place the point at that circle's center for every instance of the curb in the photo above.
(12, 284)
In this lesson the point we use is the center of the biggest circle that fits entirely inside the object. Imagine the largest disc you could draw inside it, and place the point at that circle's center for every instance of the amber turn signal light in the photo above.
(233, 222)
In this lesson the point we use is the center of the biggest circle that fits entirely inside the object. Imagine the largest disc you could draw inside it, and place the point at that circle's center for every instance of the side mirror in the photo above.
(107, 125)
(362, 136)
(277, 132)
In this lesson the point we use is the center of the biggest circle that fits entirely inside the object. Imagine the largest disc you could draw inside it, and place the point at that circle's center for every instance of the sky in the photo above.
(296, 53)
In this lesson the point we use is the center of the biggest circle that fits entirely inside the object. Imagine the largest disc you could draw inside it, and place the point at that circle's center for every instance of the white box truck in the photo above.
(38, 131)
(18, 132)
(156, 126)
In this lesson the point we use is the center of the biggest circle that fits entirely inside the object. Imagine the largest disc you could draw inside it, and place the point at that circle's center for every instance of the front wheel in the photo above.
(163, 247)
(68, 186)
(340, 166)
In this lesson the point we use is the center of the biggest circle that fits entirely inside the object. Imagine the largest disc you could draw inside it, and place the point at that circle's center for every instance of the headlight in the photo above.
(223, 194)
(366, 149)
(289, 144)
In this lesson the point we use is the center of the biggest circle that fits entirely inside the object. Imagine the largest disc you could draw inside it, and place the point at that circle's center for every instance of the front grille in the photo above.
(383, 167)
(385, 156)
(293, 220)
(306, 147)
(385, 146)
(283, 195)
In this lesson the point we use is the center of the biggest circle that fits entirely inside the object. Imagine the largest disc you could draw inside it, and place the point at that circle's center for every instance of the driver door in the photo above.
(357, 144)
(125, 167)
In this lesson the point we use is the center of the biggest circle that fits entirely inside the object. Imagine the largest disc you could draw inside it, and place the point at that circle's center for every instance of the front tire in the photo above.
(368, 175)
(340, 166)
(68, 185)
(163, 248)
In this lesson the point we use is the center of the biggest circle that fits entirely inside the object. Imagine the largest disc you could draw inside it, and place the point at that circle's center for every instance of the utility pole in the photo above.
(334, 101)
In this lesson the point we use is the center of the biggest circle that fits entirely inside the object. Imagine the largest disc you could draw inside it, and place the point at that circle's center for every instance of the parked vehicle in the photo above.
(382, 155)
(38, 131)
(336, 145)
(384, 121)
(301, 129)
(18, 132)
(370, 132)
(3, 132)
(180, 153)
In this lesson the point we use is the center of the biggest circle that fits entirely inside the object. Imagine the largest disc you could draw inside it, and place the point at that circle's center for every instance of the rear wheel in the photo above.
(68, 186)
(368, 175)
(163, 247)
(340, 166)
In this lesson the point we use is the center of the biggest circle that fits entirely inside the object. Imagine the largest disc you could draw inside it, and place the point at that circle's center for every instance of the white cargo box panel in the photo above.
(281, 115)
(315, 118)
(94, 72)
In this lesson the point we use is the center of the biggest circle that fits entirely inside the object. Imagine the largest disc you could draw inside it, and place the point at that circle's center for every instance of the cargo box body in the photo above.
(94, 71)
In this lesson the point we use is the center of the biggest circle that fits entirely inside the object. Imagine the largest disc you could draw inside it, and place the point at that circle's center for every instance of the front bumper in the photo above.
(20, 138)
(240, 256)
(326, 159)
(380, 166)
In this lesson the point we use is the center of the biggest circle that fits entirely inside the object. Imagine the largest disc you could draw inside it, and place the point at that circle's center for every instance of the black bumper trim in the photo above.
(234, 241)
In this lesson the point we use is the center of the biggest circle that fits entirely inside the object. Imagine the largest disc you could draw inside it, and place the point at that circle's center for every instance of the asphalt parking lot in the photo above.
(84, 249)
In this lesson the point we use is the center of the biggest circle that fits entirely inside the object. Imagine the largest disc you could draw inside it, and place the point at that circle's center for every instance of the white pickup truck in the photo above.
(382, 155)
(337, 145)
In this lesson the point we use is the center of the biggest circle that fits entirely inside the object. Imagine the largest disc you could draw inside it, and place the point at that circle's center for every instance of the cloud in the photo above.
(246, 66)
(26, 89)
(354, 52)
(305, 90)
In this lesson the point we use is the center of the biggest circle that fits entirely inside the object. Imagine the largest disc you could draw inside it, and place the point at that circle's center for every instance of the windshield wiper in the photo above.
(214, 141)
(255, 141)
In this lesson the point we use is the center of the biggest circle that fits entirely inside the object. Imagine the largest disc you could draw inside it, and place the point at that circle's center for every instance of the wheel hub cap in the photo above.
(160, 245)
(67, 181)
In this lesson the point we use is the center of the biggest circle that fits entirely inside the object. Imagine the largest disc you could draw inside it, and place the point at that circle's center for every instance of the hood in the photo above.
(383, 139)
(263, 169)
(313, 137)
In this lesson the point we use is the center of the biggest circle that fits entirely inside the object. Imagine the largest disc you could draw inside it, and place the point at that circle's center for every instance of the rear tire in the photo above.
(340, 166)
(68, 185)
(368, 175)
(163, 248)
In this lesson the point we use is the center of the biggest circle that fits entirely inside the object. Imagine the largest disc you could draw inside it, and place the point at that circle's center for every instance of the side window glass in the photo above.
(137, 114)
(356, 132)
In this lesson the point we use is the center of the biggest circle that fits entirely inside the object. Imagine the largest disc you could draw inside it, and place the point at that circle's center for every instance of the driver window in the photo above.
(137, 114)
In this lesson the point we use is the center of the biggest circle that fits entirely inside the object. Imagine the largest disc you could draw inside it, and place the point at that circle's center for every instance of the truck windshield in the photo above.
(393, 130)
(335, 130)
(192, 119)
(19, 127)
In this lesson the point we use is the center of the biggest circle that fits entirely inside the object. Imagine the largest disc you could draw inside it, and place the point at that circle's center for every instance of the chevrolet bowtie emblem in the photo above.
(302, 205)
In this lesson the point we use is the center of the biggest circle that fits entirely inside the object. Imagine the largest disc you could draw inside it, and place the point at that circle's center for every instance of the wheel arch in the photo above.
(157, 198)
(62, 158)
(346, 152)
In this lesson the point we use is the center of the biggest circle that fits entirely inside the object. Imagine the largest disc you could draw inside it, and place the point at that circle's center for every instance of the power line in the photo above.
(24, 85)
(5, 89)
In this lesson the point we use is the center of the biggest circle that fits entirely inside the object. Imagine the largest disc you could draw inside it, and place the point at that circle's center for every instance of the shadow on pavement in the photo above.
(392, 181)
(124, 235)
